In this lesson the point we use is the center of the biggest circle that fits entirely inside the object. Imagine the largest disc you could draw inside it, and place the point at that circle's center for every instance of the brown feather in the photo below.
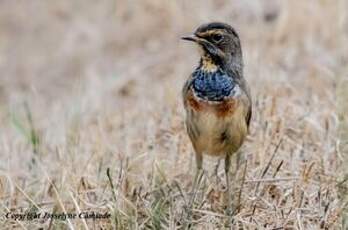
(221, 109)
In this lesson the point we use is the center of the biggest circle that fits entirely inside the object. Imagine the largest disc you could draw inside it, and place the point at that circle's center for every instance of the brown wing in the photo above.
(186, 88)
(246, 89)
(249, 114)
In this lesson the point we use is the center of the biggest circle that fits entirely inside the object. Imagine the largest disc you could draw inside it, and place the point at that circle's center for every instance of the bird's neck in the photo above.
(209, 65)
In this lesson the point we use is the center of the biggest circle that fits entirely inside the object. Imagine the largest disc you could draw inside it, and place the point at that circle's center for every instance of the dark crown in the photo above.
(216, 26)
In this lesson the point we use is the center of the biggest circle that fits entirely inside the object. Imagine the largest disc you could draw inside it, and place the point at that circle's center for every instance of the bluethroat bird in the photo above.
(216, 97)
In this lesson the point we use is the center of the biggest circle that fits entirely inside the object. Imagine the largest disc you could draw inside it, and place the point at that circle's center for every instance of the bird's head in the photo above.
(220, 45)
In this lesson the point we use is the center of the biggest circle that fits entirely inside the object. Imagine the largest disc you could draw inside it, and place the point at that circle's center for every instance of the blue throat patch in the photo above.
(212, 86)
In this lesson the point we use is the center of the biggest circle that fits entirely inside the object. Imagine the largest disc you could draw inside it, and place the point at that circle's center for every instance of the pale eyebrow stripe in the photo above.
(216, 31)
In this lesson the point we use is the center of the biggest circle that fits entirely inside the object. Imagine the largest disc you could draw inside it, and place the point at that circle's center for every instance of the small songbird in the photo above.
(216, 96)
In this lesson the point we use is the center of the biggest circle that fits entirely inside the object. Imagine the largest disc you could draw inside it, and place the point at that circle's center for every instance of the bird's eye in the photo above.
(217, 37)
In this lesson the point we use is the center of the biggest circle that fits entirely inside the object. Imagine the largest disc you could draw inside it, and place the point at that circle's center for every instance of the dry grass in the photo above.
(90, 87)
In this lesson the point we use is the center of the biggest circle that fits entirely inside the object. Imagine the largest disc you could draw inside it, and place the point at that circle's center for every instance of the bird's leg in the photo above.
(198, 176)
(227, 169)
(238, 159)
(216, 171)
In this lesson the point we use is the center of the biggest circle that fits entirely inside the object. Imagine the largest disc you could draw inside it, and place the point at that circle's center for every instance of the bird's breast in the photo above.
(212, 86)
(215, 128)
(213, 93)
(221, 108)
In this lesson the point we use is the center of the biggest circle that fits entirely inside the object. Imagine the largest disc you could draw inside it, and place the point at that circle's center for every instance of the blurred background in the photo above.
(48, 48)
(87, 85)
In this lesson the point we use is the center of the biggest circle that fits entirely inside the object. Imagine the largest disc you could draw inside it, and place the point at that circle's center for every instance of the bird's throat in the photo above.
(207, 64)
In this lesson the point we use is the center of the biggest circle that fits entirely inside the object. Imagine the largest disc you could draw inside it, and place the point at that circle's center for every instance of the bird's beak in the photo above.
(192, 38)
(209, 47)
